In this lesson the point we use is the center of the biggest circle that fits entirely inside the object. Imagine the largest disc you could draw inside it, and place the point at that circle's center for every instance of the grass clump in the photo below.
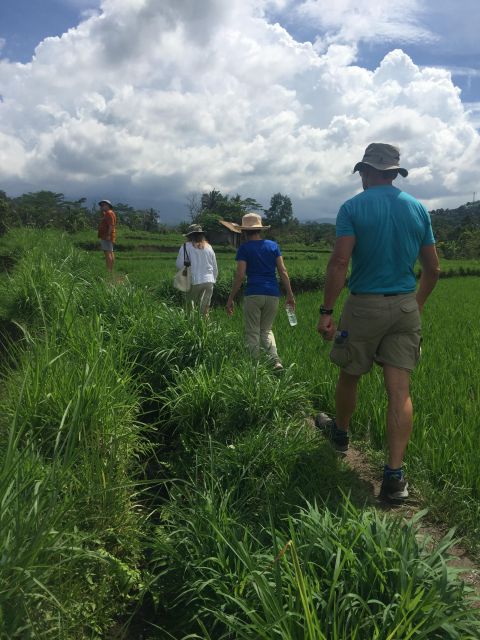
(321, 574)
(235, 397)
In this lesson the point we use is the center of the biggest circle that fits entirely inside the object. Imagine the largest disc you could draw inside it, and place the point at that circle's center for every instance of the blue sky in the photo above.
(155, 100)
(25, 23)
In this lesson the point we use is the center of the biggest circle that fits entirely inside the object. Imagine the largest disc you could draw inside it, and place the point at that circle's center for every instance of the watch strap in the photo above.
(324, 311)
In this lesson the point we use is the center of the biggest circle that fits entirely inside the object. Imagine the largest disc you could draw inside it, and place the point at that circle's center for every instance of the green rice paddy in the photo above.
(155, 483)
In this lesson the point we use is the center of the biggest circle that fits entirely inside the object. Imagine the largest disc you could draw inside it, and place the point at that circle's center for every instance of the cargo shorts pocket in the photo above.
(409, 305)
(341, 355)
(410, 315)
(365, 323)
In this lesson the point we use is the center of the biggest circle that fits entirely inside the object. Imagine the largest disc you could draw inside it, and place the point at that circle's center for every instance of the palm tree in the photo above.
(211, 200)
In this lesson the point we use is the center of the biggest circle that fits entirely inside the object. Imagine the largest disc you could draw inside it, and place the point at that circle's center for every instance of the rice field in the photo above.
(155, 483)
(148, 259)
(443, 455)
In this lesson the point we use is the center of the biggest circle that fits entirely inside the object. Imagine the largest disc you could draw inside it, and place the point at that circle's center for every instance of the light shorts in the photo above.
(107, 245)
(200, 295)
(381, 329)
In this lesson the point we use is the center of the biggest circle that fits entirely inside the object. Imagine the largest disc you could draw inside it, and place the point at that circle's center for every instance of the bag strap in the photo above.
(186, 257)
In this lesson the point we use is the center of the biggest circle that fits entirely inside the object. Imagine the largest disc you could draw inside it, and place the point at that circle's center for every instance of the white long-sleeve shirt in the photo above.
(203, 261)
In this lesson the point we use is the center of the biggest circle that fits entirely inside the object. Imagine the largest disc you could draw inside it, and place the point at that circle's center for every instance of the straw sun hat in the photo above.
(250, 222)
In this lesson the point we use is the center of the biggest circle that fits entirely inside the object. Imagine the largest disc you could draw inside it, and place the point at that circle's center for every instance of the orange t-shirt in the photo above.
(109, 218)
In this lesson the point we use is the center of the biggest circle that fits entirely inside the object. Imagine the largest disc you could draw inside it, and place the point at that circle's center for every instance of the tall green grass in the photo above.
(70, 522)
(319, 575)
(151, 469)
(442, 457)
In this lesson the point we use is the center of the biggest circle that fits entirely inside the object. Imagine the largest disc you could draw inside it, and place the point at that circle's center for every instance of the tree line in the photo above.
(457, 231)
(49, 210)
(207, 209)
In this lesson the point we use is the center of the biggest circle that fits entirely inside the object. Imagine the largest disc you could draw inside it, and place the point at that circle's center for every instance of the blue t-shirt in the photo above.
(261, 258)
(390, 226)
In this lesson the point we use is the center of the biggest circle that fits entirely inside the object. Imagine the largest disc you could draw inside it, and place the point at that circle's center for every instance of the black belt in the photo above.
(385, 295)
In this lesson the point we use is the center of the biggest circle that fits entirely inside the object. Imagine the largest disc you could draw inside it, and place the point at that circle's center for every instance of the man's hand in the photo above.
(326, 327)
(229, 307)
(290, 302)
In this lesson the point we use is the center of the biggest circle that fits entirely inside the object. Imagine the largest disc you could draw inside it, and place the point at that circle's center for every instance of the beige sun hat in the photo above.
(250, 222)
(383, 157)
(194, 228)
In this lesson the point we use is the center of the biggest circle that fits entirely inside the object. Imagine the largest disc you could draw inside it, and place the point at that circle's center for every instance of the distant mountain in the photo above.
(319, 221)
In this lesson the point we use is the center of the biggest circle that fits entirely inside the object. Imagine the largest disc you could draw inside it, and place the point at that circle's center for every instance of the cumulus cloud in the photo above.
(149, 101)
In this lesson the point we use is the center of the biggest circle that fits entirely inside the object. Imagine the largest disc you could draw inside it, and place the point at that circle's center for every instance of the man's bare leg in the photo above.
(345, 399)
(399, 415)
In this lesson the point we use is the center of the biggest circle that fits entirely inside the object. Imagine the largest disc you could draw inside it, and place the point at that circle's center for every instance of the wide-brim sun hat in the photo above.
(105, 201)
(252, 222)
(193, 228)
(383, 157)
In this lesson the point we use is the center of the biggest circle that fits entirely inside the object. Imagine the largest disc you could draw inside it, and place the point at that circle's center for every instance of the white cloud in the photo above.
(149, 101)
(368, 20)
(468, 72)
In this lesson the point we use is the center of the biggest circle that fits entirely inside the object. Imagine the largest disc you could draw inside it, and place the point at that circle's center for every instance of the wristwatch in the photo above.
(325, 312)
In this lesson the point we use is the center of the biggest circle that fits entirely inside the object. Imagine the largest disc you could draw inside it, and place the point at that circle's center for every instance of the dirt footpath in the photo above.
(371, 480)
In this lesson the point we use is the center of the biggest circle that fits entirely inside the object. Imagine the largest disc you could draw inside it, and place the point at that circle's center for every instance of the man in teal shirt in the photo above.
(384, 230)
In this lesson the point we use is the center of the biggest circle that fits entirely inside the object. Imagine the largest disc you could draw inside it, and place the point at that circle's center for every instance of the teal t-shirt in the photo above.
(390, 226)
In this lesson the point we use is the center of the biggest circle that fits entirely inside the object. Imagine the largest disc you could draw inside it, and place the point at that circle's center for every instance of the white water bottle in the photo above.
(292, 318)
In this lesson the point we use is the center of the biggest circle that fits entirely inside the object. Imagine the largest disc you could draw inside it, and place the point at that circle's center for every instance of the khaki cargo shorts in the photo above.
(381, 329)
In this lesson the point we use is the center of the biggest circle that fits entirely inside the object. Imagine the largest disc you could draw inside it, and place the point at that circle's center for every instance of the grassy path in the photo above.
(367, 478)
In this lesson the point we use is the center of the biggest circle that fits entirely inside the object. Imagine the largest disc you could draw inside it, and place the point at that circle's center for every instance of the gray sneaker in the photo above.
(278, 368)
(329, 429)
(394, 489)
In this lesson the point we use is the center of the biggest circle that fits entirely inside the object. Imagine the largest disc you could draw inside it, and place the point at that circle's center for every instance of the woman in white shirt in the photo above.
(199, 255)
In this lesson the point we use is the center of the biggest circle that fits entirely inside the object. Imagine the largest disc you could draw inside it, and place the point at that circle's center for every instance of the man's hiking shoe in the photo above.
(394, 489)
(329, 429)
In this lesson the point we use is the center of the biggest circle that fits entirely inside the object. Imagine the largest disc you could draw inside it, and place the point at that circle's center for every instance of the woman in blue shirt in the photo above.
(259, 260)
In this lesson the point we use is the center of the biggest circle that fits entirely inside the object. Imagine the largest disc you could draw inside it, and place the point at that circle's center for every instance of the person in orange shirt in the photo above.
(107, 232)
